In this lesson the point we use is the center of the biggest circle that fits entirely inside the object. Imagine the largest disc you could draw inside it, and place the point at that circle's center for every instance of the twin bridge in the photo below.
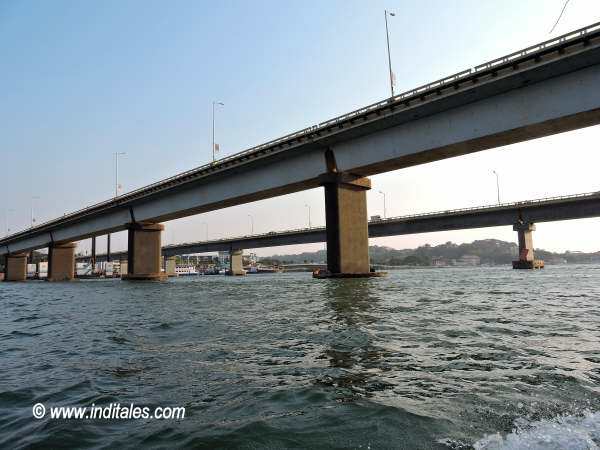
(542, 90)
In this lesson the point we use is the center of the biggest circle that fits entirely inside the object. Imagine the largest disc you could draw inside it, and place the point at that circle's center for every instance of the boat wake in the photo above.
(564, 432)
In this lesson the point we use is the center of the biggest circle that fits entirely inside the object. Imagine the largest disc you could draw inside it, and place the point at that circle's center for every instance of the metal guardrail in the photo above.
(315, 129)
(450, 212)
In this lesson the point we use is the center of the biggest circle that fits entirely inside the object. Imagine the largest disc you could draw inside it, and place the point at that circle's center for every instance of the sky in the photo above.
(82, 80)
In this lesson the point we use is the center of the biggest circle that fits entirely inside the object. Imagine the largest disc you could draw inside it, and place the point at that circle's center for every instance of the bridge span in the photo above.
(545, 89)
(516, 214)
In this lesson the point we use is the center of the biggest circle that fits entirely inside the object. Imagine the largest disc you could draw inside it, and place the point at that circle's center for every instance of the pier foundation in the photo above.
(236, 263)
(144, 252)
(61, 262)
(347, 227)
(16, 267)
(526, 258)
(170, 266)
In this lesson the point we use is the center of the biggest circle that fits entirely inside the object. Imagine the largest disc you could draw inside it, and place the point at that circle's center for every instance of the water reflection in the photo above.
(351, 348)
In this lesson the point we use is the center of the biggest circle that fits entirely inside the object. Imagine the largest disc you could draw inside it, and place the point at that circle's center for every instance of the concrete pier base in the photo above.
(123, 267)
(347, 227)
(170, 266)
(61, 262)
(16, 267)
(144, 252)
(236, 263)
(526, 259)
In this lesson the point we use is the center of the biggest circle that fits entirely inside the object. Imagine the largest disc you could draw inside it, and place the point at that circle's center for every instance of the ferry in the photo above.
(185, 271)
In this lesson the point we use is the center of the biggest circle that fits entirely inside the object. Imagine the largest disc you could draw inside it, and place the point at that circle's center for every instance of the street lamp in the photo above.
(387, 35)
(6, 212)
(206, 225)
(214, 146)
(117, 186)
(384, 210)
(251, 224)
(34, 197)
(309, 224)
(497, 185)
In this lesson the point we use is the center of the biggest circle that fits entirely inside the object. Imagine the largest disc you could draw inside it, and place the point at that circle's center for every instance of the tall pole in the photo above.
(213, 127)
(497, 185)
(251, 224)
(6, 213)
(387, 35)
(117, 154)
(309, 224)
(384, 209)
(34, 197)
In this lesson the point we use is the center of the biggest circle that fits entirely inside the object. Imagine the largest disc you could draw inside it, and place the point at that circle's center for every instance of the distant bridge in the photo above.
(551, 209)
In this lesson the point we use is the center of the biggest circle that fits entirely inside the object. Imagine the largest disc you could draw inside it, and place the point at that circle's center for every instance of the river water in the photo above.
(485, 358)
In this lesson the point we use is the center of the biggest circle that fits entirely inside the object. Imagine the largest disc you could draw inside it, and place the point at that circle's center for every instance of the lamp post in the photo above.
(34, 197)
(206, 225)
(251, 224)
(117, 187)
(7, 228)
(497, 185)
(387, 35)
(384, 209)
(214, 103)
(309, 224)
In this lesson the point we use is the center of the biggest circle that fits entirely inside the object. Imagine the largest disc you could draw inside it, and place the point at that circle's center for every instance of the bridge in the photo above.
(545, 89)
(521, 215)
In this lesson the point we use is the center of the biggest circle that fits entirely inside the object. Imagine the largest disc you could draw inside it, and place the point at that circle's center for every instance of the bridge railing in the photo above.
(421, 90)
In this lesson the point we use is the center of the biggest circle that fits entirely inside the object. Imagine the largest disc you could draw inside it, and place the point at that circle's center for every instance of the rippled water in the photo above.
(484, 358)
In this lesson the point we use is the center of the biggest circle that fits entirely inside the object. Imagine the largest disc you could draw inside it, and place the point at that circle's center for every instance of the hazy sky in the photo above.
(81, 80)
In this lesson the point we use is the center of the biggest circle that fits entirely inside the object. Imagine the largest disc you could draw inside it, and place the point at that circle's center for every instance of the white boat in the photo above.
(183, 271)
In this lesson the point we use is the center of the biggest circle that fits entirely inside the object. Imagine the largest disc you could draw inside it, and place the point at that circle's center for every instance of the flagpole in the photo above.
(387, 35)
(214, 103)
(213, 131)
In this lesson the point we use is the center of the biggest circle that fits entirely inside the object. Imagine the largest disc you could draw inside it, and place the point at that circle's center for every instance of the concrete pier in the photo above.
(16, 267)
(61, 262)
(170, 266)
(144, 252)
(526, 258)
(347, 226)
(236, 263)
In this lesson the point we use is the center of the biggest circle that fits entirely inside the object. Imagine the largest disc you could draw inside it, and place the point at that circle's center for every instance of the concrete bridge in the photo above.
(538, 91)
(521, 215)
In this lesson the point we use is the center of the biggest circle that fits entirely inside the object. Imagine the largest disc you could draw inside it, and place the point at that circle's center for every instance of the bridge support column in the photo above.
(16, 267)
(122, 267)
(526, 259)
(170, 265)
(144, 254)
(347, 227)
(61, 262)
(236, 263)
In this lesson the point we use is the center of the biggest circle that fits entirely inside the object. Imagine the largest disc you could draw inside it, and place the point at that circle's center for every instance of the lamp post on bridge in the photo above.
(497, 185)
(309, 223)
(6, 213)
(387, 35)
(117, 185)
(33, 197)
(214, 145)
(384, 209)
